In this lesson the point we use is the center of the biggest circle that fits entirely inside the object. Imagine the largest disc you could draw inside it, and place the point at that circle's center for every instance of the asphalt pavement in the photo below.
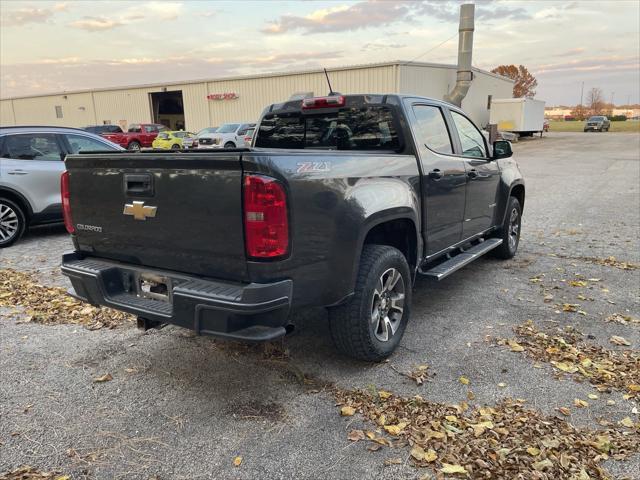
(183, 407)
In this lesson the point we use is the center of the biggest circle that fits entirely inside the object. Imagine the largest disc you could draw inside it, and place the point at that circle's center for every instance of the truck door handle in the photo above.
(473, 174)
(435, 174)
(17, 172)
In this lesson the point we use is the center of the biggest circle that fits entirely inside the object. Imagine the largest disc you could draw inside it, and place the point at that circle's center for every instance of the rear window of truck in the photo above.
(371, 127)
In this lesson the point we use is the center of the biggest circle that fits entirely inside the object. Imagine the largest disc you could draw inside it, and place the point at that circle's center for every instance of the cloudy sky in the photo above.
(52, 46)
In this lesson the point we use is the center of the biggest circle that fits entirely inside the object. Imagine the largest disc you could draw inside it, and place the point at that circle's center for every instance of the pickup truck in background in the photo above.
(137, 136)
(229, 135)
(341, 203)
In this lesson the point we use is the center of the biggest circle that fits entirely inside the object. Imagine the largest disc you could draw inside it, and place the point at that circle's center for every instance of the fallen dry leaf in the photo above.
(347, 411)
(237, 461)
(464, 380)
(453, 469)
(617, 340)
(356, 435)
(622, 319)
(627, 422)
(580, 403)
(103, 378)
(393, 461)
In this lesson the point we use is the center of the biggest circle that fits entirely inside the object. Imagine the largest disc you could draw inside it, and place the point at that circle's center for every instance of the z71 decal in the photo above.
(313, 167)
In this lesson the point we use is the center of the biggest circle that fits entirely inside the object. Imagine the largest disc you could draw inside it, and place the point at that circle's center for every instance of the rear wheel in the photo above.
(134, 146)
(510, 231)
(229, 145)
(369, 327)
(12, 222)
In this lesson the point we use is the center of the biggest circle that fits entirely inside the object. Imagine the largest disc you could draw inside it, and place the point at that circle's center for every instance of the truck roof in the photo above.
(38, 128)
(372, 98)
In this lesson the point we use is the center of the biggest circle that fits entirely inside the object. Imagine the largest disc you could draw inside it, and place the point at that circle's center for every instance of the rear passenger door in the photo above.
(482, 172)
(32, 164)
(444, 178)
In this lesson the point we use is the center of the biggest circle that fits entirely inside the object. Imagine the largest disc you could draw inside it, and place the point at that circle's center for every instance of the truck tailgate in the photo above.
(180, 212)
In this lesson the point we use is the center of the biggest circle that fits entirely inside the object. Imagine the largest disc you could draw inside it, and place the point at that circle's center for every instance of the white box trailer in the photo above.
(524, 116)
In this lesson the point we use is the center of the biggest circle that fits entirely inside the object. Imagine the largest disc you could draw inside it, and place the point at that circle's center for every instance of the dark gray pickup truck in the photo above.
(341, 202)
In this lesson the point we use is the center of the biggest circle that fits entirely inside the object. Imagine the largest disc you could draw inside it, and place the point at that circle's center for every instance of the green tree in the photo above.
(526, 83)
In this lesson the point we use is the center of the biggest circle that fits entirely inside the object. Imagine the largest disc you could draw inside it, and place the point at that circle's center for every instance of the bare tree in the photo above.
(526, 83)
(595, 101)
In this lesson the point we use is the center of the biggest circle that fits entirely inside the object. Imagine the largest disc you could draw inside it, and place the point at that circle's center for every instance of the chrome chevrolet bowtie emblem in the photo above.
(139, 210)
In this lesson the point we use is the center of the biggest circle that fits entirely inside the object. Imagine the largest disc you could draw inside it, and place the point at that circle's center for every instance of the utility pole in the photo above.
(581, 93)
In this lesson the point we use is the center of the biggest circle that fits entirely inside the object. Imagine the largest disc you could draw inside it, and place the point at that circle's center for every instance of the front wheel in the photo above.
(13, 222)
(510, 230)
(175, 146)
(229, 145)
(369, 327)
(134, 146)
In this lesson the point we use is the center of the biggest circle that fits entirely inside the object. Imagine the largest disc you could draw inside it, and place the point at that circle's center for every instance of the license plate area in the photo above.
(154, 287)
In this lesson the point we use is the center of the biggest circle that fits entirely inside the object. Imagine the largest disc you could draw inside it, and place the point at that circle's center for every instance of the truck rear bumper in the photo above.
(246, 312)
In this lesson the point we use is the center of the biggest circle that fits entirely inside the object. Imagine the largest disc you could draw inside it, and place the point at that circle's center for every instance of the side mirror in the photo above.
(501, 149)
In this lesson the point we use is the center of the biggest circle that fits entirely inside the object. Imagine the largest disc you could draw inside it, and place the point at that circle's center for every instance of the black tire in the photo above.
(510, 231)
(229, 145)
(13, 222)
(134, 146)
(352, 329)
(175, 146)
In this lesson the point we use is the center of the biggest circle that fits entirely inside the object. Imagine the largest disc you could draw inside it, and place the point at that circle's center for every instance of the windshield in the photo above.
(207, 130)
(595, 119)
(228, 128)
(369, 127)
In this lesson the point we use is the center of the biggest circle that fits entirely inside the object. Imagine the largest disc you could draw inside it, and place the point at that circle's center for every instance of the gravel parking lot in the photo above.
(184, 407)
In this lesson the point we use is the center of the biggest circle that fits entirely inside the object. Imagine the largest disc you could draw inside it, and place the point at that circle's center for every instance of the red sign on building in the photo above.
(222, 96)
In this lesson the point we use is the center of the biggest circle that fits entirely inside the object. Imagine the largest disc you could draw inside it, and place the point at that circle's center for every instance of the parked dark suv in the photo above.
(597, 123)
(30, 167)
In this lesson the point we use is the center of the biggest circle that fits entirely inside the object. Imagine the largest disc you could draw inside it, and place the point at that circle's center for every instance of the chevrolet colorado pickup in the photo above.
(340, 202)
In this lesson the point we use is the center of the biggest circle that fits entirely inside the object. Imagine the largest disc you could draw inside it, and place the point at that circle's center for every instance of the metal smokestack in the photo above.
(465, 49)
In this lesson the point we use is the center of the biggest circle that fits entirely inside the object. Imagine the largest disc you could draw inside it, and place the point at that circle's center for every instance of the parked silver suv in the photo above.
(31, 162)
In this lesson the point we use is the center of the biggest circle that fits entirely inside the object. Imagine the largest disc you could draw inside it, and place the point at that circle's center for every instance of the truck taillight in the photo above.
(66, 202)
(323, 102)
(266, 223)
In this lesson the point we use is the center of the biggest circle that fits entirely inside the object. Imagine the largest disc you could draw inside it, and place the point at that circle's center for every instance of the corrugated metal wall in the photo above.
(256, 93)
(435, 82)
(6, 113)
(130, 105)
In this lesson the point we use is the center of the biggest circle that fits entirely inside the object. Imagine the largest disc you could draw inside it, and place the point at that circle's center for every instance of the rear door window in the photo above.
(471, 139)
(431, 128)
(80, 143)
(370, 127)
(32, 146)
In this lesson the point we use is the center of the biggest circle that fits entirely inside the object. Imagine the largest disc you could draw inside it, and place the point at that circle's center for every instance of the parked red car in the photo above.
(137, 136)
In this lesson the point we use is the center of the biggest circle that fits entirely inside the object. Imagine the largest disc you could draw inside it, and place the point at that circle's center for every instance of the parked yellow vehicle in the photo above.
(173, 140)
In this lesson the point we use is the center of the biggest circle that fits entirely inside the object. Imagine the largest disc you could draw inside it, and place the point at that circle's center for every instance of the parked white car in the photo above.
(229, 135)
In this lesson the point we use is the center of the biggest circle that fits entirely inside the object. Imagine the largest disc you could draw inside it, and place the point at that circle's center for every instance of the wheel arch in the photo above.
(19, 199)
(516, 189)
(397, 228)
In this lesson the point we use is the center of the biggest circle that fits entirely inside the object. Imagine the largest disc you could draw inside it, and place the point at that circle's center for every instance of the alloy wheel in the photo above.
(387, 304)
(8, 223)
(514, 229)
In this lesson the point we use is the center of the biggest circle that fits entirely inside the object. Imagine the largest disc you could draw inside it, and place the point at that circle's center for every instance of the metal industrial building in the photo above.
(204, 103)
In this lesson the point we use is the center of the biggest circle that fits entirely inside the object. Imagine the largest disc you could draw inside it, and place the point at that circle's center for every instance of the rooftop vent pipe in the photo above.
(465, 49)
